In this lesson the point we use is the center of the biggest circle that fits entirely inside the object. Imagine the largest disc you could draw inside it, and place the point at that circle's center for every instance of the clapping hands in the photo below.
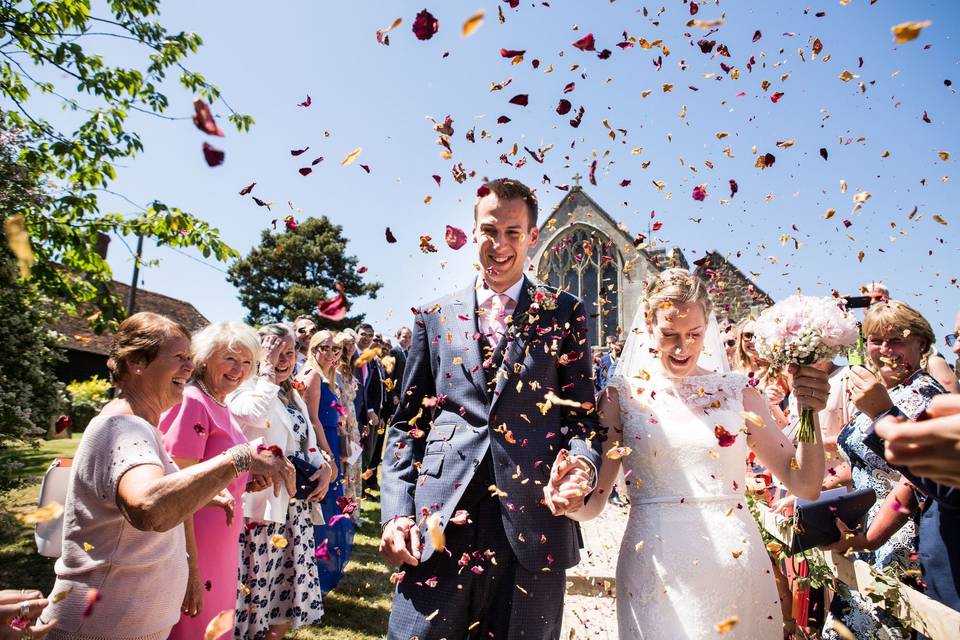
(570, 483)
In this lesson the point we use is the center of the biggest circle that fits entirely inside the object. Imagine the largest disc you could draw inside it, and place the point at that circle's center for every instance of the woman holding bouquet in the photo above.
(897, 339)
(678, 420)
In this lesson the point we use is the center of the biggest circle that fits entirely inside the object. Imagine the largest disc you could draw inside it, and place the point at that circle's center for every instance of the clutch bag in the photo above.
(814, 521)
(305, 471)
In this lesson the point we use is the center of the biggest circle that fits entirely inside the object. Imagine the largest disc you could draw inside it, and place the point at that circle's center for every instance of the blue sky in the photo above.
(267, 57)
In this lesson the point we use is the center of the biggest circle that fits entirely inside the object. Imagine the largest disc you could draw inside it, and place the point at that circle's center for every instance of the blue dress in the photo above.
(338, 537)
(864, 618)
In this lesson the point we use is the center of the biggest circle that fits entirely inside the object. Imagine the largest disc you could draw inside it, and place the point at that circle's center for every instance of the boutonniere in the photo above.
(542, 298)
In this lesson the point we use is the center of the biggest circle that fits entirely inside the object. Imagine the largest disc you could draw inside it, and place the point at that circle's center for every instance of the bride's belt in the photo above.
(684, 499)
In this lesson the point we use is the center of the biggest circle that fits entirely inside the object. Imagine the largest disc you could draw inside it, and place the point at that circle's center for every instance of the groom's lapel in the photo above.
(464, 306)
(514, 341)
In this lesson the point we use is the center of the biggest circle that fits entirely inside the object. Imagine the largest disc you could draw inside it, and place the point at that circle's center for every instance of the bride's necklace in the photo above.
(203, 388)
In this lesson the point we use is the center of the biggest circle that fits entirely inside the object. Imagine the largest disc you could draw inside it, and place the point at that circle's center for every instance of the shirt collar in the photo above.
(484, 293)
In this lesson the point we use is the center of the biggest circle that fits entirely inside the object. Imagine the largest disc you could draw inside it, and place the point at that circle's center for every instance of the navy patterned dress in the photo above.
(279, 581)
(860, 615)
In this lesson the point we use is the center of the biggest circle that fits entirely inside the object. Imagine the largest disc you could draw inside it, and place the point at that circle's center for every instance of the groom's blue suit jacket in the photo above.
(453, 411)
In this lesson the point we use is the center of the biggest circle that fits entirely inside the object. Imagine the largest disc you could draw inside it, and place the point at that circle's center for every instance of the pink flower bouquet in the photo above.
(803, 330)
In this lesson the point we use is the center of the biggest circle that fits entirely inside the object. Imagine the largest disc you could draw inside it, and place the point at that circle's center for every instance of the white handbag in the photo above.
(49, 534)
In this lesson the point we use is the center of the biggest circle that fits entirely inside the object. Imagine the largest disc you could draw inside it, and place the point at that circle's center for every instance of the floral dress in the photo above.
(866, 620)
(352, 482)
(279, 581)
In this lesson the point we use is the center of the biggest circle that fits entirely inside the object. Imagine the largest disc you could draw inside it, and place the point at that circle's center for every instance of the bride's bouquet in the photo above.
(803, 330)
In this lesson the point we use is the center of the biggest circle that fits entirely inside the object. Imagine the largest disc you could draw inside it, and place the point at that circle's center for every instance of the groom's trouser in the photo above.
(477, 588)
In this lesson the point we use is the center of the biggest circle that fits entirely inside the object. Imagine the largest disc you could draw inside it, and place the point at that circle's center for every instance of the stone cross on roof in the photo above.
(576, 179)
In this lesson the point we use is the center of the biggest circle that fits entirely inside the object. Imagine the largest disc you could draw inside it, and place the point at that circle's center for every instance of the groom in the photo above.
(495, 439)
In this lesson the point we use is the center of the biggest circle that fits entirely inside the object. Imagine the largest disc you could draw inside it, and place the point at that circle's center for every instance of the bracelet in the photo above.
(242, 458)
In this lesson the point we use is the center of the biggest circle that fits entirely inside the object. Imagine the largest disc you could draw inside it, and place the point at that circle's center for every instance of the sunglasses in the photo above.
(747, 335)
(950, 339)
(325, 349)
(731, 342)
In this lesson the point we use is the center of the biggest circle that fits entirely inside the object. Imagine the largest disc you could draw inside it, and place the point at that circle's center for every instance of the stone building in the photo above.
(583, 250)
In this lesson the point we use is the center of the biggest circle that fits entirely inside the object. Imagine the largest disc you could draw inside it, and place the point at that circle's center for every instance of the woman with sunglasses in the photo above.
(319, 379)
(747, 361)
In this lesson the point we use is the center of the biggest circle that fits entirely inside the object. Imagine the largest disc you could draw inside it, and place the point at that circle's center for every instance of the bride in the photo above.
(692, 561)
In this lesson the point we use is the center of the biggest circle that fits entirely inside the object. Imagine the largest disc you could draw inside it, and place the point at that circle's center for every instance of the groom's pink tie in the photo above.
(497, 321)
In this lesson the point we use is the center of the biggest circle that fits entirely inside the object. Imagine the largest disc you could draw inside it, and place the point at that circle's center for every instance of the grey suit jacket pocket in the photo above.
(437, 443)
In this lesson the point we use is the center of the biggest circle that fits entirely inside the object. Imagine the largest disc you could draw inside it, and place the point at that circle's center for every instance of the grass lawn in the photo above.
(357, 610)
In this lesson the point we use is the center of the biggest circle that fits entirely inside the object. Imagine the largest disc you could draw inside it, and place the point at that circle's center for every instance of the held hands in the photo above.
(276, 469)
(400, 542)
(569, 484)
(931, 447)
(868, 392)
(810, 387)
(774, 393)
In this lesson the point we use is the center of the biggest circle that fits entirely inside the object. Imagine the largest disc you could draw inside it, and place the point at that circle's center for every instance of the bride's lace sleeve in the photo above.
(623, 388)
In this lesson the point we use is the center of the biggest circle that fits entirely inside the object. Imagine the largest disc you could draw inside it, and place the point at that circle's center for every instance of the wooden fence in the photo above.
(931, 618)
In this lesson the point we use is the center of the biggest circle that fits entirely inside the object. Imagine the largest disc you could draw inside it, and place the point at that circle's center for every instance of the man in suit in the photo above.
(399, 354)
(495, 439)
(370, 379)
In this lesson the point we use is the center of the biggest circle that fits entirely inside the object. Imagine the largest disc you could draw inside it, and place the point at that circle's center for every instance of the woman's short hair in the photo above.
(233, 336)
(898, 317)
(140, 337)
(320, 336)
(675, 286)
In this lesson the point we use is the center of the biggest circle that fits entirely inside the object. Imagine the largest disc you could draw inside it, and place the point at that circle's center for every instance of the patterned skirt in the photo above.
(279, 583)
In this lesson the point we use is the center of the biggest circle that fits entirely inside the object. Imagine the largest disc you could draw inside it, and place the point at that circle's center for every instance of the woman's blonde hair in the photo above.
(233, 336)
(675, 286)
(318, 337)
(345, 364)
(900, 318)
(140, 336)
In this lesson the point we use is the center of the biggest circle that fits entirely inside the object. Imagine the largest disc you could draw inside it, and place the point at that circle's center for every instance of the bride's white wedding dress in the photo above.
(692, 556)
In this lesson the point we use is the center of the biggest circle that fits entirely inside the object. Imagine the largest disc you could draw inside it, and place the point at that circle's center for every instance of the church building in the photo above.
(584, 251)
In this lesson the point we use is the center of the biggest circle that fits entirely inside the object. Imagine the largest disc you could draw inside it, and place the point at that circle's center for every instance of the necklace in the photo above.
(203, 388)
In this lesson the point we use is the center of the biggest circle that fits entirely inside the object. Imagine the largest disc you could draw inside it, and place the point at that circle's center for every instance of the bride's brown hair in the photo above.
(675, 286)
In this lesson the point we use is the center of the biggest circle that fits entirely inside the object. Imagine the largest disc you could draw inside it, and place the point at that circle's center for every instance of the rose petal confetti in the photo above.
(425, 26)
(455, 237)
(203, 118)
(334, 309)
(219, 625)
(907, 31)
(214, 157)
(586, 43)
(50, 511)
(724, 437)
(472, 23)
(353, 155)
(436, 532)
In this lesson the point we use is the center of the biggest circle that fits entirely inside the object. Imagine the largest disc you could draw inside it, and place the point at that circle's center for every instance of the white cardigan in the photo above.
(261, 414)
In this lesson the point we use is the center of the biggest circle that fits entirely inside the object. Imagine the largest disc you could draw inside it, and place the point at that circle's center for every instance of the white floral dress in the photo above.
(279, 582)
(866, 620)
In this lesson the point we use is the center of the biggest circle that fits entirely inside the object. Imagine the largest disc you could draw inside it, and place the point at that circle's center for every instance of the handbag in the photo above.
(814, 521)
(49, 534)
(305, 471)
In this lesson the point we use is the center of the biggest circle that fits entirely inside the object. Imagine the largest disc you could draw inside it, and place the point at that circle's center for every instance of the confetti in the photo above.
(907, 31)
(472, 23)
(219, 625)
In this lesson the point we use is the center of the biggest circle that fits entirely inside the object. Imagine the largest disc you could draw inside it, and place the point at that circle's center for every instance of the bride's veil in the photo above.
(639, 355)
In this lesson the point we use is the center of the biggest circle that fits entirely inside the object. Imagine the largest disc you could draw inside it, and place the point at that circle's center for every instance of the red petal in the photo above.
(570, 87)
(775, 98)
(63, 423)
(593, 172)
(483, 191)
(455, 237)
(521, 99)
(625, 183)
(656, 226)
(204, 119)
(261, 203)
(390, 237)
(334, 309)
(757, 35)
(296, 152)
(214, 157)
(563, 107)
(503, 120)
(247, 189)
(425, 25)
(365, 167)
(305, 103)
(733, 187)
(724, 437)
(512, 53)
(317, 161)
(586, 43)
(694, 7)
(436, 179)
(305, 171)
